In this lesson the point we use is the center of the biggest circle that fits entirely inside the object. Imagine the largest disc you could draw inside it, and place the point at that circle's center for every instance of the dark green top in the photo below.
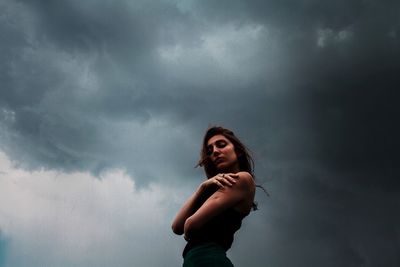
(219, 229)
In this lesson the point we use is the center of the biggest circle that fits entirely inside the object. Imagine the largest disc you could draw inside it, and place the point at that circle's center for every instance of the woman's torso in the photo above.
(220, 230)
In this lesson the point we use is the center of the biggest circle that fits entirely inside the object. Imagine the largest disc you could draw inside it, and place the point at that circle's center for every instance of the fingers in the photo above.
(217, 182)
(223, 179)
(233, 176)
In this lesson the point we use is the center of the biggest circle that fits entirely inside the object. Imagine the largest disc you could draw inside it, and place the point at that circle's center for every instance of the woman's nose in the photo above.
(216, 151)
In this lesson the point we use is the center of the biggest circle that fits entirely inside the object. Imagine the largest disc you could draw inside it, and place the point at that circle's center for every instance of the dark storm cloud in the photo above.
(311, 86)
(70, 71)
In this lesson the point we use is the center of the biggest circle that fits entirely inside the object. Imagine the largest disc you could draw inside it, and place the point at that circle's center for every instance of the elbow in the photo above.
(189, 226)
(176, 229)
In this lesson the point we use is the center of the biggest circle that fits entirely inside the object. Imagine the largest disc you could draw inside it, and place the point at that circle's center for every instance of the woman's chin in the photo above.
(227, 168)
(220, 166)
(224, 168)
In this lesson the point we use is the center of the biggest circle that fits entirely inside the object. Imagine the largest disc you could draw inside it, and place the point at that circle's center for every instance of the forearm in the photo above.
(223, 199)
(190, 207)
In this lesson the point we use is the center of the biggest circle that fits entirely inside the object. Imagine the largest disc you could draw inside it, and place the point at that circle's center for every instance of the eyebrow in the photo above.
(216, 141)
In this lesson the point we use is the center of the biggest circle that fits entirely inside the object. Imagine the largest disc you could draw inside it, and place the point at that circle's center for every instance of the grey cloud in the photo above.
(310, 86)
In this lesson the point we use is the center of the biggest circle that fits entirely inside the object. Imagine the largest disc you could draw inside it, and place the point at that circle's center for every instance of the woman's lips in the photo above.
(218, 160)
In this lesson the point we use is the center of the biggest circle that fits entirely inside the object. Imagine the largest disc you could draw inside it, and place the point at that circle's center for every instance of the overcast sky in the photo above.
(103, 105)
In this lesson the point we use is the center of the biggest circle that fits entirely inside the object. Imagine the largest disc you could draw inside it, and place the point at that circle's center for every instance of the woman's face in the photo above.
(222, 153)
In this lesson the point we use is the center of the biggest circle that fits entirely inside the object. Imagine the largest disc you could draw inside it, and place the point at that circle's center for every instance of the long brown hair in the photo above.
(245, 160)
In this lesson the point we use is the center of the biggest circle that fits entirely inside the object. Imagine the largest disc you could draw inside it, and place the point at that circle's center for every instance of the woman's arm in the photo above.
(205, 190)
(187, 210)
(221, 200)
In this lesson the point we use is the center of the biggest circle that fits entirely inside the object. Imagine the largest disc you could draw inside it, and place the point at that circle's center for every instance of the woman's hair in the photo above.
(245, 160)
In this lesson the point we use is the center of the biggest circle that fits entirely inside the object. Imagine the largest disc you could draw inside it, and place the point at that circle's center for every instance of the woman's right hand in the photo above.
(220, 180)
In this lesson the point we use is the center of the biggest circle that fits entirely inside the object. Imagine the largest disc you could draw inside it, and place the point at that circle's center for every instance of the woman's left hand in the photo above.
(221, 180)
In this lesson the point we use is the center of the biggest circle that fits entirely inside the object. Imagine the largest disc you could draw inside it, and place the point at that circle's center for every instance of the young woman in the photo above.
(214, 212)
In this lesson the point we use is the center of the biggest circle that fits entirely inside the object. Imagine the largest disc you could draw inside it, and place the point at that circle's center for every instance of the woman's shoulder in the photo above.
(247, 186)
(245, 180)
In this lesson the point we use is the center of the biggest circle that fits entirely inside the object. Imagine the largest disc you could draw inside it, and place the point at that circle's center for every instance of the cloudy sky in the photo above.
(103, 105)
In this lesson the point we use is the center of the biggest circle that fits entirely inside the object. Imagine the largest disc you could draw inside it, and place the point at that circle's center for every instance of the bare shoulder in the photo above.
(247, 187)
(246, 180)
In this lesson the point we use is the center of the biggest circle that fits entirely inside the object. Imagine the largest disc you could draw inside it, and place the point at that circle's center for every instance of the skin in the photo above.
(236, 189)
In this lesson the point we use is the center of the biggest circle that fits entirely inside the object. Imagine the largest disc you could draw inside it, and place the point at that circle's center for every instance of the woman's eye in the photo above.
(221, 144)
